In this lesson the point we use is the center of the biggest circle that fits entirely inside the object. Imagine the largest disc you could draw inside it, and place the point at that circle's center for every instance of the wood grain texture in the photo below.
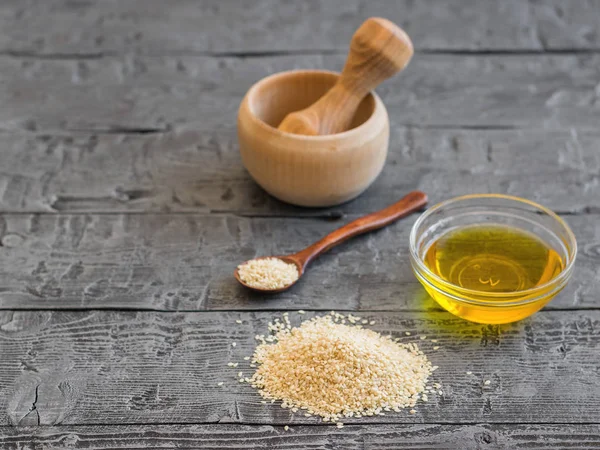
(372, 437)
(201, 171)
(140, 368)
(91, 28)
(146, 94)
(186, 262)
(121, 187)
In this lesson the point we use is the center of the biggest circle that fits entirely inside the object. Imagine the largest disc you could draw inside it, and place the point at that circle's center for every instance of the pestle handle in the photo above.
(378, 50)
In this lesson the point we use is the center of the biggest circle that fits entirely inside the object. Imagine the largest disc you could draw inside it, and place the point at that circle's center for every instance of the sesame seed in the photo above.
(434, 340)
(301, 311)
(487, 382)
(407, 333)
(233, 344)
(246, 358)
(238, 321)
(323, 366)
(423, 338)
(286, 428)
(240, 374)
(234, 365)
(436, 347)
(469, 373)
(339, 425)
(440, 392)
(412, 411)
(220, 383)
(372, 322)
(268, 273)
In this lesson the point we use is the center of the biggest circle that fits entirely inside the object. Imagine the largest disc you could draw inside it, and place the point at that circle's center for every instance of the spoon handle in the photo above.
(414, 201)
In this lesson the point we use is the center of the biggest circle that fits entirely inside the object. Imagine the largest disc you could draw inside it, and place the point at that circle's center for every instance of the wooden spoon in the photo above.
(378, 50)
(408, 204)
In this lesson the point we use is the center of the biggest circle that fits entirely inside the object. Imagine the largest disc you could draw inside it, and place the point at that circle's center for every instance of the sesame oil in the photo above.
(489, 259)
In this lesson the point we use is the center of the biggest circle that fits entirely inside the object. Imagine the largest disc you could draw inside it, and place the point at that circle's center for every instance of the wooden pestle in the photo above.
(378, 50)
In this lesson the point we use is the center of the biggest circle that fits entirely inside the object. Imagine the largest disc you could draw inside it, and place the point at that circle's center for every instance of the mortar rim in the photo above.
(377, 118)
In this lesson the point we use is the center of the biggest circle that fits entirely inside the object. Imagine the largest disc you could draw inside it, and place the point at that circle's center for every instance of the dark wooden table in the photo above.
(125, 208)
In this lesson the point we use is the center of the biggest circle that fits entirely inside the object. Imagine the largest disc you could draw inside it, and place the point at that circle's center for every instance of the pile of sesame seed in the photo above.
(332, 367)
(268, 273)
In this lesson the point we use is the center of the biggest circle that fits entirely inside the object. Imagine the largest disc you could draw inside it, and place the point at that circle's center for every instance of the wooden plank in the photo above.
(203, 93)
(232, 436)
(201, 171)
(186, 262)
(140, 368)
(50, 27)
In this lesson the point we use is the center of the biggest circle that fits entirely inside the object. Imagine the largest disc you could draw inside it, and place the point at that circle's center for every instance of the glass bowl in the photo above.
(486, 306)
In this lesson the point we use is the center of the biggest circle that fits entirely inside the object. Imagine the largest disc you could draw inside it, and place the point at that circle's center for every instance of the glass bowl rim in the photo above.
(565, 272)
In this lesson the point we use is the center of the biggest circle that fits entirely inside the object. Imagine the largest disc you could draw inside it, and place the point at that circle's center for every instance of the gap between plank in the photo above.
(332, 216)
(272, 310)
(281, 424)
(67, 56)
(169, 128)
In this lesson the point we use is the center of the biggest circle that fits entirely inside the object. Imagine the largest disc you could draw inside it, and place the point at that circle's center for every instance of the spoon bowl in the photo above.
(289, 259)
(412, 202)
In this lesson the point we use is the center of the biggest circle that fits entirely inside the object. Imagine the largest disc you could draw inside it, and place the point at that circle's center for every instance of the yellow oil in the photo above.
(486, 259)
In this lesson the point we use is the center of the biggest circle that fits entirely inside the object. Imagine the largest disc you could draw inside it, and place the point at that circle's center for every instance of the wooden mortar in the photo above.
(309, 170)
